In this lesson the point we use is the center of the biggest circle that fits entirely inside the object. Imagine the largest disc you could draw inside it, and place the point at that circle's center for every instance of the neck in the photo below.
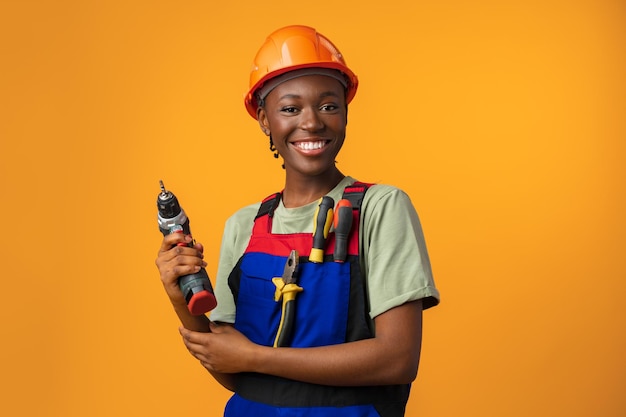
(300, 191)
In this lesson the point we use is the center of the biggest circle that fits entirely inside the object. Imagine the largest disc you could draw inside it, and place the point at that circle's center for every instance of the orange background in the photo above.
(504, 121)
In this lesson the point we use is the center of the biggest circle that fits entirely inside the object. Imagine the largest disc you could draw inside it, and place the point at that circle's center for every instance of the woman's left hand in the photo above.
(224, 350)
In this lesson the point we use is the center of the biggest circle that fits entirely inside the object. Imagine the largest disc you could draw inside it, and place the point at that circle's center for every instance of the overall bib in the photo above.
(331, 309)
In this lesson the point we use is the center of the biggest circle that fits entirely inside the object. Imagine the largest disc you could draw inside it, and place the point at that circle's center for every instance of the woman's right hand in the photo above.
(176, 259)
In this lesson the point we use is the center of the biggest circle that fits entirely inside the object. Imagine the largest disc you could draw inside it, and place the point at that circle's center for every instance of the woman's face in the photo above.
(307, 119)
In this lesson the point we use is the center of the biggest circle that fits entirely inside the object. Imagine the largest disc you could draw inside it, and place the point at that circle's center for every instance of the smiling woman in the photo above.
(306, 118)
(356, 352)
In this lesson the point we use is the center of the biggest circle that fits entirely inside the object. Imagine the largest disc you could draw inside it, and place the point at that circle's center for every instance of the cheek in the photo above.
(340, 127)
(279, 126)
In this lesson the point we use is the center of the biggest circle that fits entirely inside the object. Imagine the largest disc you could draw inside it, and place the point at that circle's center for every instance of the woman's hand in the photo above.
(176, 259)
(225, 350)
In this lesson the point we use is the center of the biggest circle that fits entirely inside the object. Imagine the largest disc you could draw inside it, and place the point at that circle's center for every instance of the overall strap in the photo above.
(268, 205)
(263, 218)
(355, 194)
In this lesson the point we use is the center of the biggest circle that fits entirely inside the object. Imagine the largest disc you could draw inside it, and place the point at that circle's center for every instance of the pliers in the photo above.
(287, 289)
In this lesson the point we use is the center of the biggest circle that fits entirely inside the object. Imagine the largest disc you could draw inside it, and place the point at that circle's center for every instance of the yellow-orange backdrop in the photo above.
(504, 121)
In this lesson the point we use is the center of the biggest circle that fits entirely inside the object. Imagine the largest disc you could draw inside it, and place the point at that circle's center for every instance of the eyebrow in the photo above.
(323, 95)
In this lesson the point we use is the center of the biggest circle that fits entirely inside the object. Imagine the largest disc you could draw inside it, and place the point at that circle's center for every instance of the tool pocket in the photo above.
(321, 309)
(322, 306)
(257, 314)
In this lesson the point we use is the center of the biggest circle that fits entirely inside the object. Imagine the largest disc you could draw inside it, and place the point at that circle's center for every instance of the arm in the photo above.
(173, 262)
(392, 357)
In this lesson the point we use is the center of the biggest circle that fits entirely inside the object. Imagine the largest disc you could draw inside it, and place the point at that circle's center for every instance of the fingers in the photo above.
(178, 262)
(181, 252)
(174, 239)
(220, 327)
(174, 249)
(194, 343)
(176, 259)
(199, 247)
(224, 350)
(214, 327)
(186, 334)
(187, 340)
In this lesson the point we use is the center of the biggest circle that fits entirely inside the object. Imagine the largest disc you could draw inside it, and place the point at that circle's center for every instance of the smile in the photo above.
(310, 146)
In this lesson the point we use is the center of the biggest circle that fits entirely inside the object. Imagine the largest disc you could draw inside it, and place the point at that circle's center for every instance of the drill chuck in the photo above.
(170, 213)
(196, 288)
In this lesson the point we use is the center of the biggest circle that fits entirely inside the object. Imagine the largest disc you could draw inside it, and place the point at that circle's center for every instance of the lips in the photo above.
(310, 145)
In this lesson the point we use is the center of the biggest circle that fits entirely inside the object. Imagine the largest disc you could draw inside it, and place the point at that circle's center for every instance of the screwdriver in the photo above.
(323, 219)
(343, 224)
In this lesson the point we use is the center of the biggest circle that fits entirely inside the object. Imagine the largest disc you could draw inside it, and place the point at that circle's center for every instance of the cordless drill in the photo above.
(196, 288)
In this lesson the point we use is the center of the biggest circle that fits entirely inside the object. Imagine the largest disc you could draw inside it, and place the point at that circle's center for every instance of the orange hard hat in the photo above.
(293, 48)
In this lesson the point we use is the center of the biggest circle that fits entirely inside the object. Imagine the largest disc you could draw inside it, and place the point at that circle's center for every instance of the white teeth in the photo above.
(310, 145)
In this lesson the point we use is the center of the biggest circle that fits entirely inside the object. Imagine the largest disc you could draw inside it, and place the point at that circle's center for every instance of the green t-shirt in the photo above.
(392, 248)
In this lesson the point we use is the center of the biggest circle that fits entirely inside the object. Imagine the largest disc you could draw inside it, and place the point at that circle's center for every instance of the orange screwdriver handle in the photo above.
(343, 225)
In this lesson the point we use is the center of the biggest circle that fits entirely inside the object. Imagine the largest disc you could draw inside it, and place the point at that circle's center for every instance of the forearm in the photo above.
(392, 357)
(225, 380)
(189, 321)
(353, 364)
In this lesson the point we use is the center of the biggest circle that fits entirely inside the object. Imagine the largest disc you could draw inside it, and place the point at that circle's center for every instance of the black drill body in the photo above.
(196, 288)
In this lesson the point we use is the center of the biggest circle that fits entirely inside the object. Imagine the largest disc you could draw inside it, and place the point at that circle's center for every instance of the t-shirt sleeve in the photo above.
(395, 259)
(234, 242)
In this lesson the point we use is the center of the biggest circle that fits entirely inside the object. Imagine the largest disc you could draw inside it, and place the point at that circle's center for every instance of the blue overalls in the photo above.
(331, 309)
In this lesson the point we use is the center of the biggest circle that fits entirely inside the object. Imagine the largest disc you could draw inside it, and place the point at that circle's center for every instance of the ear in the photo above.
(261, 116)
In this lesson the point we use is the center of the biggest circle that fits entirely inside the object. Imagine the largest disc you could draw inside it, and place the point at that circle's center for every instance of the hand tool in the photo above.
(287, 289)
(196, 288)
(323, 219)
(343, 223)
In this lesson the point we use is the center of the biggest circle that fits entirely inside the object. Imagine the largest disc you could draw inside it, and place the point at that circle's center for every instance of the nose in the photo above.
(311, 120)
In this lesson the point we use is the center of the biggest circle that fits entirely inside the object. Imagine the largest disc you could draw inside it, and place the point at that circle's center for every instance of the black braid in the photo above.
(273, 148)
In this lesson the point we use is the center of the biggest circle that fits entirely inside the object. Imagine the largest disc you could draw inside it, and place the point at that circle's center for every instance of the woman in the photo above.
(352, 346)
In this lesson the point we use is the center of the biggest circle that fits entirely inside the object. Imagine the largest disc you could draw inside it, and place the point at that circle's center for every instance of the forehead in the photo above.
(308, 86)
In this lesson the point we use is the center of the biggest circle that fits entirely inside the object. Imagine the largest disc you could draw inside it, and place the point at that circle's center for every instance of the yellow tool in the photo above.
(287, 289)
(321, 226)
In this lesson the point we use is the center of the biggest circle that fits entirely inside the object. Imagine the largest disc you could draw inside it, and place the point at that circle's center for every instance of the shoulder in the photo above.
(242, 219)
(384, 196)
(380, 190)
(388, 209)
(244, 213)
(238, 226)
